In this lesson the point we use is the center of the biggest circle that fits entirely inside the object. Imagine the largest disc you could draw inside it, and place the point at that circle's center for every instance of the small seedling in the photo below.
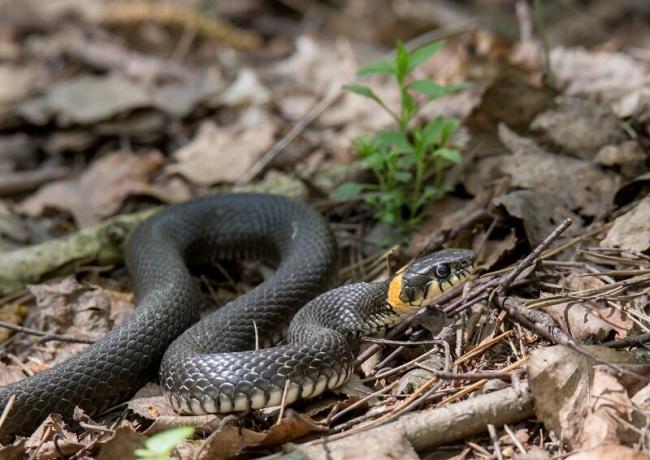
(161, 445)
(408, 162)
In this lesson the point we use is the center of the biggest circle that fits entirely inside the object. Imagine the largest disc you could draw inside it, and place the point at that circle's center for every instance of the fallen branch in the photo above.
(429, 428)
(102, 244)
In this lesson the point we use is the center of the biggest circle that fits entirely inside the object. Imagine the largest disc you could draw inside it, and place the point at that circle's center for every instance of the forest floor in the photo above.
(111, 108)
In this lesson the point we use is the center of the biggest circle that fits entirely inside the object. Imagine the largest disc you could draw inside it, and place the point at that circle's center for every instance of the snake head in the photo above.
(419, 283)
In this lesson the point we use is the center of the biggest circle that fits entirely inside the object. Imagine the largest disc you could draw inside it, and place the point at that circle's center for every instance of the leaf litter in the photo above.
(154, 104)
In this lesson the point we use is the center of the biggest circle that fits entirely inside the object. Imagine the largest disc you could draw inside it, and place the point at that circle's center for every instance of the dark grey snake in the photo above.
(209, 367)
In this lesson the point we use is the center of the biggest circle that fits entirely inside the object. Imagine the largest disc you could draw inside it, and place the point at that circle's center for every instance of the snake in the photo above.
(234, 358)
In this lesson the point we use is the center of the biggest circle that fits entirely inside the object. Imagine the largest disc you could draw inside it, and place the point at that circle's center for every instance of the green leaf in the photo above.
(432, 132)
(362, 91)
(397, 138)
(367, 92)
(382, 66)
(434, 90)
(448, 128)
(160, 445)
(428, 88)
(401, 62)
(347, 190)
(403, 176)
(410, 107)
(422, 54)
(452, 155)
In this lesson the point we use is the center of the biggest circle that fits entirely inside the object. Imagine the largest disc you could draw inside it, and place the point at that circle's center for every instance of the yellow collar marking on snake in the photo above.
(394, 290)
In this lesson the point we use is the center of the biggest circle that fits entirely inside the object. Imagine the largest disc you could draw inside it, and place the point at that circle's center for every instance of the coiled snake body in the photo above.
(209, 367)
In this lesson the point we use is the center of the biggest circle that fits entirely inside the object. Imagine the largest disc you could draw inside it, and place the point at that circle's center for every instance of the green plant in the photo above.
(408, 162)
(159, 446)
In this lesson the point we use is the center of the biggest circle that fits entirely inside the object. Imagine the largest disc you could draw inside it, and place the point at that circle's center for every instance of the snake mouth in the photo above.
(422, 281)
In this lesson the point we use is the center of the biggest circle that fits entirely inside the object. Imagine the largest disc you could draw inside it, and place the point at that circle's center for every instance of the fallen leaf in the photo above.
(540, 211)
(631, 230)
(560, 380)
(495, 250)
(16, 82)
(605, 75)
(641, 404)
(89, 99)
(292, 426)
(53, 439)
(629, 157)
(102, 188)
(586, 320)
(611, 452)
(609, 408)
(179, 99)
(391, 445)
(122, 444)
(246, 90)
(586, 187)
(579, 126)
(15, 451)
(224, 154)
(68, 307)
(13, 313)
(17, 151)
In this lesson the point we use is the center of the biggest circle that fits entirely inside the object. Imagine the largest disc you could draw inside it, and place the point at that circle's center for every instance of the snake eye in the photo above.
(443, 271)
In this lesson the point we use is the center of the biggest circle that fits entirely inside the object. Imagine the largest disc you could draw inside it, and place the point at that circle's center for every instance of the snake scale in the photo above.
(212, 365)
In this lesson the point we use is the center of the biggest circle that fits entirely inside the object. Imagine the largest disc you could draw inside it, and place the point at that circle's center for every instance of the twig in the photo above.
(495, 441)
(487, 375)
(45, 336)
(362, 401)
(283, 403)
(7, 410)
(515, 441)
(529, 259)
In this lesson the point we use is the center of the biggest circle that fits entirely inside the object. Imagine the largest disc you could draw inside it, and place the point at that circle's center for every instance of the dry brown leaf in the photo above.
(102, 189)
(391, 445)
(89, 99)
(580, 126)
(68, 307)
(292, 426)
(608, 404)
(53, 439)
(609, 452)
(531, 167)
(641, 415)
(15, 451)
(628, 156)
(560, 381)
(17, 150)
(122, 443)
(631, 230)
(605, 75)
(13, 313)
(540, 211)
(227, 441)
(246, 90)
(590, 319)
(494, 250)
(16, 82)
(224, 154)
